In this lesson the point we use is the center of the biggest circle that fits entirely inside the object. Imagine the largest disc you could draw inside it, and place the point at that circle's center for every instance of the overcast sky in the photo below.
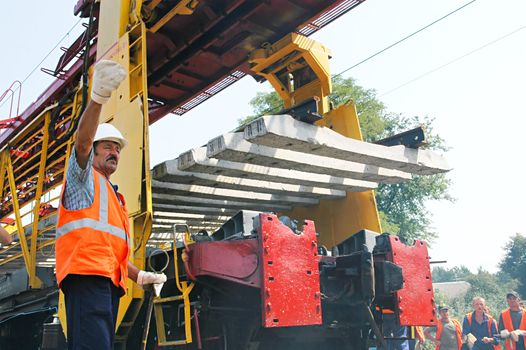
(467, 72)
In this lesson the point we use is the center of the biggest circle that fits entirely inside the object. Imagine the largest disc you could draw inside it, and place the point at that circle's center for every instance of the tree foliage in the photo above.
(513, 264)
(402, 206)
(456, 273)
(491, 286)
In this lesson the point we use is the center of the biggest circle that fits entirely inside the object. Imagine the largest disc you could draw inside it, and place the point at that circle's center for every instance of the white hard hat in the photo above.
(107, 132)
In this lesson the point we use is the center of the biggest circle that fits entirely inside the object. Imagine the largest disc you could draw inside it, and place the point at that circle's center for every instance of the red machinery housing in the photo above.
(261, 281)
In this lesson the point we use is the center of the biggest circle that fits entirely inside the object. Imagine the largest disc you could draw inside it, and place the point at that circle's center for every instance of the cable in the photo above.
(404, 39)
(454, 60)
(76, 115)
(45, 57)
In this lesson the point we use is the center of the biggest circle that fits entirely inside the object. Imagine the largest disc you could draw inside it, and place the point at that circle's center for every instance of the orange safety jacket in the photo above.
(94, 240)
(508, 324)
(458, 330)
(490, 322)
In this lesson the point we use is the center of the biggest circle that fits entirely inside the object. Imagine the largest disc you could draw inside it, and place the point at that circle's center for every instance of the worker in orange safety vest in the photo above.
(479, 329)
(93, 241)
(448, 332)
(512, 323)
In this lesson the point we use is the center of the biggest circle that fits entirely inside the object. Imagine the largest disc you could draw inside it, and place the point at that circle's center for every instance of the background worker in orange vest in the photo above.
(479, 329)
(448, 332)
(512, 323)
(92, 247)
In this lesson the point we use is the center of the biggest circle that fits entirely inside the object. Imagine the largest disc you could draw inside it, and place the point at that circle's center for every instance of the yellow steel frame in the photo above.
(184, 7)
(185, 288)
(336, 220)
(282, 64)
(17, 171)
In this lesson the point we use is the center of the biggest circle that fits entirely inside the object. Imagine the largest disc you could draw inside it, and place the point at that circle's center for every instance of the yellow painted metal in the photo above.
(337, 220)
(159, 316)
(128, 111)
(16, 209)
(113, 24)
(298, 69)
(27, 175)
(184, 287)
(184, 7)
(34, 281)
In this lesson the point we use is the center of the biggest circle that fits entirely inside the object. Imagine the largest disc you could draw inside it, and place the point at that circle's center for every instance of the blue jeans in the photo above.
(92, 303)
(392, 329)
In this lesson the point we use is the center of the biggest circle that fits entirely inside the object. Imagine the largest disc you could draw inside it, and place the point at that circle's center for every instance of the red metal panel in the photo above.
(235, 261)
(291, 279)
(415, 301)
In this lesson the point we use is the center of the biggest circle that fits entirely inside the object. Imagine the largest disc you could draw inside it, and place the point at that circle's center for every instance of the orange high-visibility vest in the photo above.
(490, 322)
(508, 324)
(419, 333)
(458, 330)
(94, 240)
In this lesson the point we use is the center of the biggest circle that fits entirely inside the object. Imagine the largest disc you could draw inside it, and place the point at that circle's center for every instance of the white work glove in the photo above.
(515, 335)
(504, 333)
(470, 340)
(107, 76)
(157, 279)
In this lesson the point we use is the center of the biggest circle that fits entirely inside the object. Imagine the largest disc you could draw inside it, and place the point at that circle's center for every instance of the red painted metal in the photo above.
(415, 301)
(290, 274)
(236, 261)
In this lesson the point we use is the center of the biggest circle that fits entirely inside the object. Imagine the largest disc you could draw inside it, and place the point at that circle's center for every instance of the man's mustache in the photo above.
(111, 158)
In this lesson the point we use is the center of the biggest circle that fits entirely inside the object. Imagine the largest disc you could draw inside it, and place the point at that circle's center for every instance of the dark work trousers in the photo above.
(92, 303)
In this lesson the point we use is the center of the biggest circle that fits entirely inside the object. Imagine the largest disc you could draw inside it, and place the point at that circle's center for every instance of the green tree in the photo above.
(513, 264)
(456, 273)
(401, 206)
(491, 287)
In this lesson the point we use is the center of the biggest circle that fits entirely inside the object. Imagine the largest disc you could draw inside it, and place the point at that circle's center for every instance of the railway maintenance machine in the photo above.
(269, 233)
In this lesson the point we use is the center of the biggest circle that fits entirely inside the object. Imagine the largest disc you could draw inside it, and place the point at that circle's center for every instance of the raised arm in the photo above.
(107, 77)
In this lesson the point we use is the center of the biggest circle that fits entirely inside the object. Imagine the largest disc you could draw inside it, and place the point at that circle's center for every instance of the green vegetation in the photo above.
(491, 286)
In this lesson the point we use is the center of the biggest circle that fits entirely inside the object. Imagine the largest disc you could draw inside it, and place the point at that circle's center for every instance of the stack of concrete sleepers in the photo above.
(275, 164)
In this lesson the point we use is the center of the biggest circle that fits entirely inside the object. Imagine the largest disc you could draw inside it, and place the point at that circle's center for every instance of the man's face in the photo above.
(444, 314)
(106, 157)
(479, 305)
(514, 303)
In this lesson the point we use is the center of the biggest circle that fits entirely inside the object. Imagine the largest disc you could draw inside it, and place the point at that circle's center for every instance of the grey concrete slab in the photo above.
(191, 199)
(187, 216)
(233, 195)
(193, 209)
(282, 131)
(233, 147)
(196, 160)
(168, 172)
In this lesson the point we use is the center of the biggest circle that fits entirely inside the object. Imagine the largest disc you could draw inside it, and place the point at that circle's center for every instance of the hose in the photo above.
(69, 93)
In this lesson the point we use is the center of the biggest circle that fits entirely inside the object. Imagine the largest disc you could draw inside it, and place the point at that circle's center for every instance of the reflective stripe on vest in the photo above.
(101, 225)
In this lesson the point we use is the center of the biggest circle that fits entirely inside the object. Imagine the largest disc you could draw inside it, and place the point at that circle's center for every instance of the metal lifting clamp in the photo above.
(298, 69)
